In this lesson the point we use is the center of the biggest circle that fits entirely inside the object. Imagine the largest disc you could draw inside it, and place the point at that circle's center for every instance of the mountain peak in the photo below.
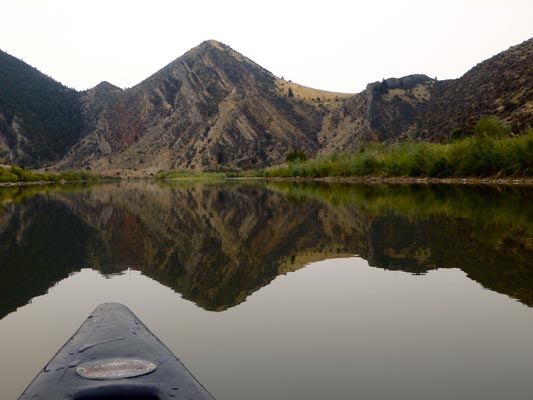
(207, 45)
(214, 43)
(105, 86)
(211, 44)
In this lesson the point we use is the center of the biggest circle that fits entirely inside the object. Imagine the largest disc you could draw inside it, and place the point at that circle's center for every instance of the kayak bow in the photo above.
(114, 356)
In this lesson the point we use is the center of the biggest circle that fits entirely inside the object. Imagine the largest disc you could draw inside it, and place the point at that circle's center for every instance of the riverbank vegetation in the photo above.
(16, 174)
(189, 174)
(491, 151)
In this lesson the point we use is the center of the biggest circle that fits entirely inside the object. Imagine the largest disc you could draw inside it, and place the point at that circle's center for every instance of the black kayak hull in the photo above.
(113, 355)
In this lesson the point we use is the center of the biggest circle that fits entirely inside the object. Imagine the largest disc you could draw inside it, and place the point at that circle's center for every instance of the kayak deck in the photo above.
(114, 356)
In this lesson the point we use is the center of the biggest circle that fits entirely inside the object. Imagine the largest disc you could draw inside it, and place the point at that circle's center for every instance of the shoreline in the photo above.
(345, 179)
(44, 183)
(36, 183)
(428, 180)
(412, 180)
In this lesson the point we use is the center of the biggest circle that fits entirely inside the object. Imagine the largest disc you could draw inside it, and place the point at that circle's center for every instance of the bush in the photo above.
(296, 156)
(491, 126)
(457, 134)
(7, 176)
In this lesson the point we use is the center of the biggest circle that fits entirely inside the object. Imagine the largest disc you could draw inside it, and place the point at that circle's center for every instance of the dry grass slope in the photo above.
(309, 94)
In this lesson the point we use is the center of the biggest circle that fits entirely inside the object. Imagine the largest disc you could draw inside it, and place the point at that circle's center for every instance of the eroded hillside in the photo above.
(213, 108)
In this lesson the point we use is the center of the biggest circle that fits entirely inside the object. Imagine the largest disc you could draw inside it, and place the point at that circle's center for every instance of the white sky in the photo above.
(337, 45)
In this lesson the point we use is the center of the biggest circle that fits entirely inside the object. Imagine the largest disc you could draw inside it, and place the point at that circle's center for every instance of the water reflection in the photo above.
(216, 244)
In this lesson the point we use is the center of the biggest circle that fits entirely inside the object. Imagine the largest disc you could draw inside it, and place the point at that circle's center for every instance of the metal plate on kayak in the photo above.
(115, 369)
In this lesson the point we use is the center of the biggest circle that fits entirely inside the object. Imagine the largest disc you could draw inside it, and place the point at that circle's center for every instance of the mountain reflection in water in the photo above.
(215, 244)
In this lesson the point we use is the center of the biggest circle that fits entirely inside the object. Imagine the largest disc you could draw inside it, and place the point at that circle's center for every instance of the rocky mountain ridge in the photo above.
(213, 108)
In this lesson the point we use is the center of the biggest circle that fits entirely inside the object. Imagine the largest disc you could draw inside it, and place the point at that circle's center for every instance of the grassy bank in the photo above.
(479, 155)
(16, 174)
(188, 174)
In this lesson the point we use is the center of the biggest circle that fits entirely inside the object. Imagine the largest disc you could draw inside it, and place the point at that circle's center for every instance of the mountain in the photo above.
(214, 108)
(421, 108)
(208, 108)
(502, 85)
(39, 118)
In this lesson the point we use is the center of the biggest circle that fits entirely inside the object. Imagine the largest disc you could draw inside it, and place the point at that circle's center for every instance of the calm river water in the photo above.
(282, 291)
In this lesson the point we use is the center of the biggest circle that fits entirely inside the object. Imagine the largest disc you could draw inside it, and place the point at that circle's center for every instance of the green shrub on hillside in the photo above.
(492, 126)
(296, 156)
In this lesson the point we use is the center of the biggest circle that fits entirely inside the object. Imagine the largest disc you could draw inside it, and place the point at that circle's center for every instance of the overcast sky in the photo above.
(338, 45)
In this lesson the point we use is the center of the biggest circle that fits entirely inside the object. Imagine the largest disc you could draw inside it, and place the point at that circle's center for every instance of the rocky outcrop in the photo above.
(389, 110)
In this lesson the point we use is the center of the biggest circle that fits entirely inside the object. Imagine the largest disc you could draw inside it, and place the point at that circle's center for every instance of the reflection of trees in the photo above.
(41, 242)
(486, 231)
(217, 244)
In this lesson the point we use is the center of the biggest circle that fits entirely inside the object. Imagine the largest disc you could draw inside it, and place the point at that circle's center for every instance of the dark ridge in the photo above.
(41, 117)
